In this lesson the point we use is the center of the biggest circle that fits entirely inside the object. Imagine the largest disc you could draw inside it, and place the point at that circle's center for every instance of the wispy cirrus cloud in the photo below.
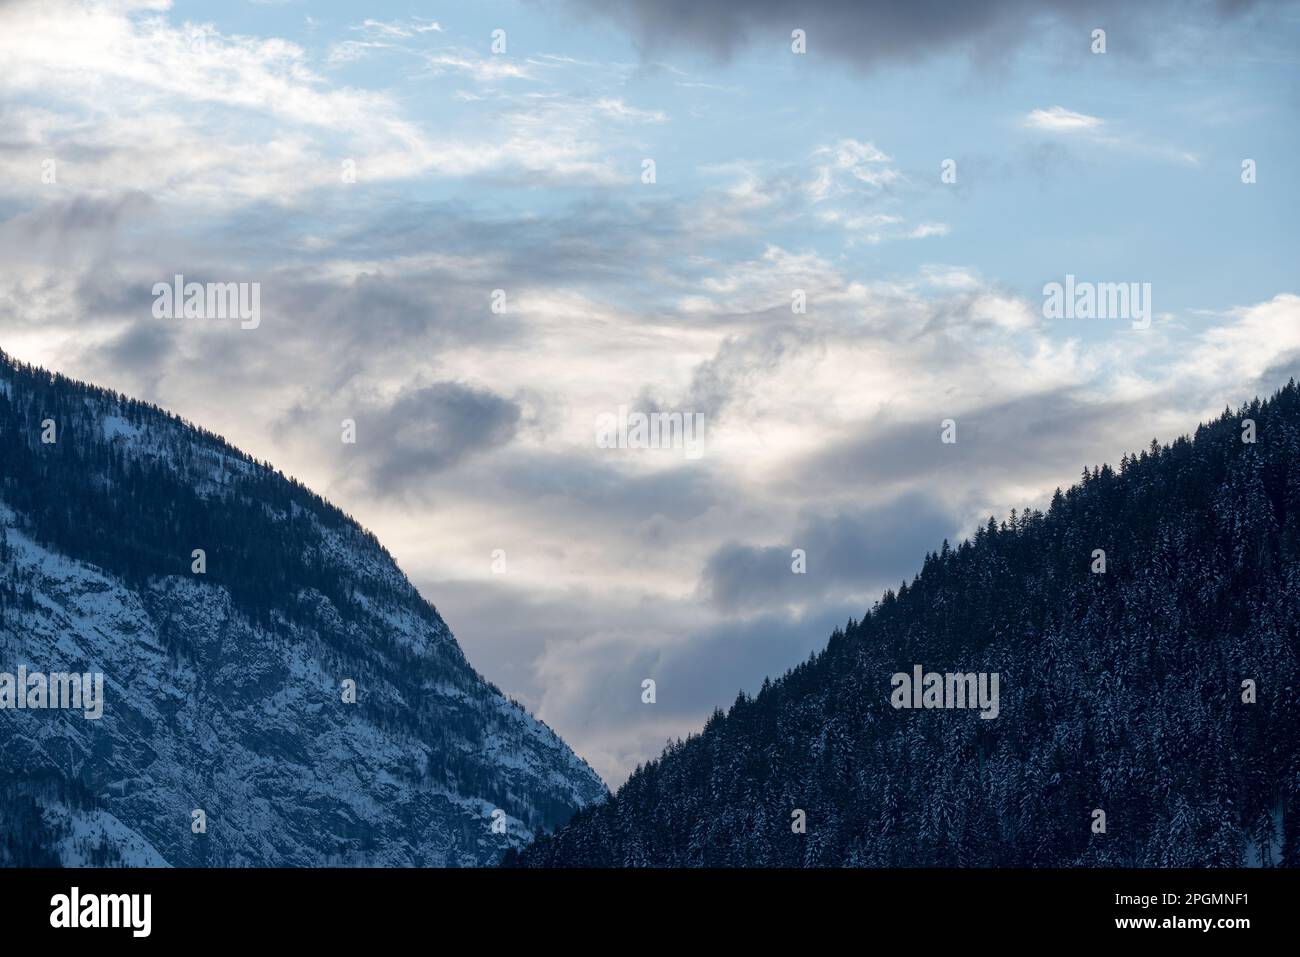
(274, 127)
(1057, 119)
(396, 28)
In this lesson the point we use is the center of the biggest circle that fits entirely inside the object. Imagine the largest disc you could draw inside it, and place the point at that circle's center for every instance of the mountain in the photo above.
(1123, 691)
(224, 686)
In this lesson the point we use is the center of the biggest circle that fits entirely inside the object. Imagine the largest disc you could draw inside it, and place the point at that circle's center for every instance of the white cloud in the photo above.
(925, 230)
(124, 96)
(617, 109)
(349, 51)
(1093, 129)
(1058, 119)
(395, 28)
(482, 69)
(847, 162)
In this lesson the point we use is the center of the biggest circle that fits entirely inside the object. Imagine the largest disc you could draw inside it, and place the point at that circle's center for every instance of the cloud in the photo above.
(271, 126)
(926, 230)
(1058, 119)
(428, 429)
(859, 161)
(476, 429)
(396, 28)
(593, 684)
(589, 488)
(274, 128)
(1025, 440)
(848, 554)
(1093, 129)
(868, 33)
(69, 229)
(1259, 339)
(484, 69)
(349, 51)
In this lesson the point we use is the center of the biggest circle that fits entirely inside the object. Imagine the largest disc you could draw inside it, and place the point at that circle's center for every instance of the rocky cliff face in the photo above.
(226, 681)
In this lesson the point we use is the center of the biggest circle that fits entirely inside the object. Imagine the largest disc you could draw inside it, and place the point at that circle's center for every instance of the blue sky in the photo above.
(211, 140)
(1176, 123)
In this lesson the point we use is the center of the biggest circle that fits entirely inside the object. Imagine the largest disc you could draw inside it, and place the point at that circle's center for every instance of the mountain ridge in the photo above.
(224, 688)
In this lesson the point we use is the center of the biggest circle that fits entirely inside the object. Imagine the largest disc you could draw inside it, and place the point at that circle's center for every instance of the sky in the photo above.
(460, 248)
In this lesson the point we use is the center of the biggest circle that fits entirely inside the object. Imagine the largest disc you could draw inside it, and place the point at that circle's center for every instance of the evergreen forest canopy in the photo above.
(1121, 691)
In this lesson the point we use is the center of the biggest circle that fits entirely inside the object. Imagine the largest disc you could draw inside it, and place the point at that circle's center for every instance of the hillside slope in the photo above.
(224, 691)
(1120, 692)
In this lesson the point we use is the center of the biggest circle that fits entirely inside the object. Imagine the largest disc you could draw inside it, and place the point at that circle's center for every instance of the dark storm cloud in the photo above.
(429, 429)
(866, 33)
(846, 552)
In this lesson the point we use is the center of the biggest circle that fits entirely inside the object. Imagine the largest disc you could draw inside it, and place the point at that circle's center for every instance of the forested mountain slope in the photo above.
(1120, 692)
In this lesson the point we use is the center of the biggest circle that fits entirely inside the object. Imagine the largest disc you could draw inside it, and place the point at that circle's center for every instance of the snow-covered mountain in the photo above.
(225, 689)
